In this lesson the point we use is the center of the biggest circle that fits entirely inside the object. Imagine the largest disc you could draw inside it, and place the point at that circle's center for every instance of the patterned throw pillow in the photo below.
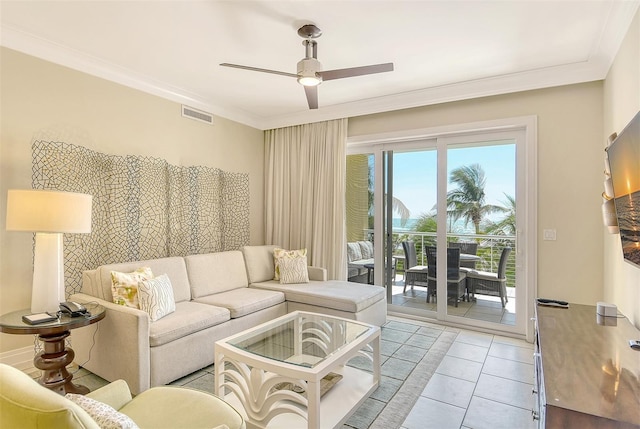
(124, 286)
(279, 254)
(156, 297)
(104, 415)
(294, 270)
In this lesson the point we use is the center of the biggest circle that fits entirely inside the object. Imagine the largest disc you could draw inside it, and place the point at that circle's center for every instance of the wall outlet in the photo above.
(549, 234)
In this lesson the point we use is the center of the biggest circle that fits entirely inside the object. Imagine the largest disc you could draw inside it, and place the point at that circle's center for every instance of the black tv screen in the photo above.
(624, 164)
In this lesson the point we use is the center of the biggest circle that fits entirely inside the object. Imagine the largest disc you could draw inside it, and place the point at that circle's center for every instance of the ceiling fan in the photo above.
(310, 73)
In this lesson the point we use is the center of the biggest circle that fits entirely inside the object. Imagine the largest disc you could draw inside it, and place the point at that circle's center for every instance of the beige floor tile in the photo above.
(486, 414)
(507, 351)
(468, 351)
(450, 390)
(464, 369)
(430, 414)
(475, 338)
(518, 371)
(505, 391)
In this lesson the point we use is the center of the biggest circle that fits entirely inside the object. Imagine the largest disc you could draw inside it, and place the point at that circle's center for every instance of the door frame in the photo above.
(526, 193)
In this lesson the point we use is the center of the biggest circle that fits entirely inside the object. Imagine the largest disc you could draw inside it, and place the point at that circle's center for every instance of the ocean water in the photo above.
(458, 226)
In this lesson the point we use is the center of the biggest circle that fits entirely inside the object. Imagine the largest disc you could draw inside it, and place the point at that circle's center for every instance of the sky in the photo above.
(415, 174)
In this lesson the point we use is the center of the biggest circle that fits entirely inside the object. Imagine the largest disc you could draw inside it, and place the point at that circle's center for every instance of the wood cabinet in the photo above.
(586, 374)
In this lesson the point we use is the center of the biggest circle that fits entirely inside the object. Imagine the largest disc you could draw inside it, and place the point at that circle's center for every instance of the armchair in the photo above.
(456, 279)
(487, 283)
(412, 271)
(26, 404)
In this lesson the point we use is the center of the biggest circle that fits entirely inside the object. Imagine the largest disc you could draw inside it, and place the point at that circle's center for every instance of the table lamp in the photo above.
(49, 214)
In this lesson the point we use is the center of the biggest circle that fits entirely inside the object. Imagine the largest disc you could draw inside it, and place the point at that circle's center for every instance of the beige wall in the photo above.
(569, 174)
(43, 100)
(621, 103)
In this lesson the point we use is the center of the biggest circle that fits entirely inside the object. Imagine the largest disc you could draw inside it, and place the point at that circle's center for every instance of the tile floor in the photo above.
(484, 381)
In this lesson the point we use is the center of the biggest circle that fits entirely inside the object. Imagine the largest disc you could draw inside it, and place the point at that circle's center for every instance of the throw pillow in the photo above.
(294, 270)
(156, 297)
(279, 254)
(366, 247)
(104, 415)
(124, 286)
(354, 253)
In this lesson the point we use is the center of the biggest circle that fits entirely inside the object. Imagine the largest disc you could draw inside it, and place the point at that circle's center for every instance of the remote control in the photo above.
(552, 301)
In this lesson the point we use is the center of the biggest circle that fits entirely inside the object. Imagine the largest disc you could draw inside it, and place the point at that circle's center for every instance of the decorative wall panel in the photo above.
(143, 208)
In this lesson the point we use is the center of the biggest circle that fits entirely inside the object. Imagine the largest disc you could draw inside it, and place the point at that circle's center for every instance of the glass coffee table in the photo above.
(292, 372)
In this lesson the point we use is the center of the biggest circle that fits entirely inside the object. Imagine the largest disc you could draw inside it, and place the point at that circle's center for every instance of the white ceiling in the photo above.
(442, 50)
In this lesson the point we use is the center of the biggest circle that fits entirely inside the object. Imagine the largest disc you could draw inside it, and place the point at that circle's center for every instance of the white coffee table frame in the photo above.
(249, 378)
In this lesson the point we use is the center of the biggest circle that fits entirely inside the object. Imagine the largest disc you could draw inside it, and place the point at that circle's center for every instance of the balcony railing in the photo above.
(489, 249)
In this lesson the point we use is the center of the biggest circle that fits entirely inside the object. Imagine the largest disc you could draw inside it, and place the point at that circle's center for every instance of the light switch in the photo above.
(549, 234)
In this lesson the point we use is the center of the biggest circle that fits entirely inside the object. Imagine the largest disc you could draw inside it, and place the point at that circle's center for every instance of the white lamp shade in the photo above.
(48, 211)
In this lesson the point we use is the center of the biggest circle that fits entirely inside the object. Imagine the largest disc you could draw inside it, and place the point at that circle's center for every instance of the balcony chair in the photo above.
(26, 404)
(469, 249)
(413, 273)
(493, 284)
(456, 278)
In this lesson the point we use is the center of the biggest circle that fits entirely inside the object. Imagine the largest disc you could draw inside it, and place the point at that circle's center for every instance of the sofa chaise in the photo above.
(216, 295)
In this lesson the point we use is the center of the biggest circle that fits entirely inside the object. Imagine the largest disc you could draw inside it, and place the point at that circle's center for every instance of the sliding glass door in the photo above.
(444, 218)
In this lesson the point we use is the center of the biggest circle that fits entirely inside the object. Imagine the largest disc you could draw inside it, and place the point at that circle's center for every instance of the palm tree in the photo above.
(507, 225)
(467, 201)
(396, 205)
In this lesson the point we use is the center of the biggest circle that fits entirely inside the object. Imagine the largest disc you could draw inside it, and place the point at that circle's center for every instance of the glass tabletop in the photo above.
(299, 338)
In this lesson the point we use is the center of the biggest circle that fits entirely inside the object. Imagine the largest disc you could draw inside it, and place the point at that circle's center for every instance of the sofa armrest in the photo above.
(115, 394)
(117, 346)
(317, 273)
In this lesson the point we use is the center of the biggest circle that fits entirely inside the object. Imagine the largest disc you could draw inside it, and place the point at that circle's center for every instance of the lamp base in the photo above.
(48, 273)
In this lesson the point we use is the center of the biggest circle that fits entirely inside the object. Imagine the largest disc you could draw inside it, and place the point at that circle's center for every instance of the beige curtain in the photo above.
(305, 192)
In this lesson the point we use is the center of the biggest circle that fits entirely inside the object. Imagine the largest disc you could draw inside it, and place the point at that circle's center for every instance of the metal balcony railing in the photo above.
(489, 249)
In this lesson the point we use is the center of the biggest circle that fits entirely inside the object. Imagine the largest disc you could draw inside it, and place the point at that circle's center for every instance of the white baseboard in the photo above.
(20, 358)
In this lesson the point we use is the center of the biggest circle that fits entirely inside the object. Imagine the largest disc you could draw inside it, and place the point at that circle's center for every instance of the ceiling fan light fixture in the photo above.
(308, 69)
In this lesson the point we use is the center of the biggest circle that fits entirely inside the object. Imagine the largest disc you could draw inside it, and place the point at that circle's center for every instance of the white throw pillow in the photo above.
(156, 297)
(280, 254)
(294, 270)
(354, 253)
(124, 286)
(104, 415)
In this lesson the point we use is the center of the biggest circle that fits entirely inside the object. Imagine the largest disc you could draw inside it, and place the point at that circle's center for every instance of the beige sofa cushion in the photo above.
(259, 262)
(98, 282)
(188, 318)
(335, 294)
(241, 302)
(211, 273)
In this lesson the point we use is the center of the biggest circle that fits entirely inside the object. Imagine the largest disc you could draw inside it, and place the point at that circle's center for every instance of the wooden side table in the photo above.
(55, 357)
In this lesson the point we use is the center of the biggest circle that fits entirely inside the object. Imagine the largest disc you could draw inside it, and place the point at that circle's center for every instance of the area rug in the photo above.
(411, 354)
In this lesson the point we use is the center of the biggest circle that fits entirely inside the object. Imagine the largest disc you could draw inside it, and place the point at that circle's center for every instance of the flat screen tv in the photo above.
(624, 164)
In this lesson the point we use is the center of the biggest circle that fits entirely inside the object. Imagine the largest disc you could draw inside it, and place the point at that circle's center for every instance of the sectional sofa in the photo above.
(216, 295)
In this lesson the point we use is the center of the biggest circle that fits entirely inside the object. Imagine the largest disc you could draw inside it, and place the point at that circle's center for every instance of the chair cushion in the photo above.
(354, 252)
(181, 407)
(484, 275)
(188, 318)
(241, 302)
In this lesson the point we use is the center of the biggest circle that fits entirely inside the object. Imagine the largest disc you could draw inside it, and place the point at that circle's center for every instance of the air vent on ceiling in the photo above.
(198, 115)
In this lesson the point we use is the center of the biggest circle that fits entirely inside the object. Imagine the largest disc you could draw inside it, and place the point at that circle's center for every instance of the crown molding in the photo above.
(596, 67)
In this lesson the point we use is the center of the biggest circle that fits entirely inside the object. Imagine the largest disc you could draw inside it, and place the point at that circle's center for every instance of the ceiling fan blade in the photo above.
(237, 66)
(356, 71)
(312, 96)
